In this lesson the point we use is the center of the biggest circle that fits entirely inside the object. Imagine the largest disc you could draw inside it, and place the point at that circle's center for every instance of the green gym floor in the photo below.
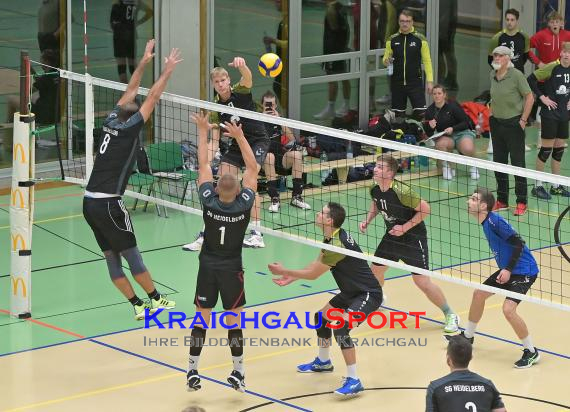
(73, 300)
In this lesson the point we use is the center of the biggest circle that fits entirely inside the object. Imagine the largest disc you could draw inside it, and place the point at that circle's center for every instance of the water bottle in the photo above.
(349, 153)
(390, 66)
(479, 126)
(267, 45)
(324, 171)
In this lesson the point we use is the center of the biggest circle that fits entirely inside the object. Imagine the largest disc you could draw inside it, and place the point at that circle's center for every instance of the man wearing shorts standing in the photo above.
(226, 212)
(554, 97)
(359, 291)
(517, 272)
(406, 234)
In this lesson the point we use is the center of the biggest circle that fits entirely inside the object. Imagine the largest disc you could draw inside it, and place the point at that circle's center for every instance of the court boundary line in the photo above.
(137, 355)
(265, 303)
(270, 399)
(391, 388)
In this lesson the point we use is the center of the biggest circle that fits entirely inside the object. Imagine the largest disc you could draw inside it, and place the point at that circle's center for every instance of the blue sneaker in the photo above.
(316, 366)
(350, 387)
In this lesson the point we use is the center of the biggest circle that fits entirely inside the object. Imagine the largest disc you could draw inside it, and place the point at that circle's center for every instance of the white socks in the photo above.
(470, 329)
(351, 371)
(193, 363)
(324, 354)
(527, 343)
(238, 363)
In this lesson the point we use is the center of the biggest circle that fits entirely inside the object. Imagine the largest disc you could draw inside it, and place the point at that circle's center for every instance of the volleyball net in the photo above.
(165, 174)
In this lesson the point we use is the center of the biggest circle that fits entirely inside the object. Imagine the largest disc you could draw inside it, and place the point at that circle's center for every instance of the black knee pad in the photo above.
(323, 332)
(544, 153)
(122, 69)
(198, 336)
(235, 338)
(114, 265)
(557, 153)
(134, 259)
(342, 337)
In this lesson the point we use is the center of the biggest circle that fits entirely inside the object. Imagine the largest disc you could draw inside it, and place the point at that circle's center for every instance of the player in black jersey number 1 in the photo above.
(226, 213)
(103, 207)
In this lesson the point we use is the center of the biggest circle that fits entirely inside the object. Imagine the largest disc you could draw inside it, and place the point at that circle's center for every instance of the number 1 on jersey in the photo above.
(222, 235)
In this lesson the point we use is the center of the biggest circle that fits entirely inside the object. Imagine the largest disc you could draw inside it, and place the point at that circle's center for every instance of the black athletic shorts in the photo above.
(220, 276)
(234, 157)
(366, 302)
(553, 129)
(412, 249)
(401, 93)
(517, 283)
(110, 222)
(124, 42)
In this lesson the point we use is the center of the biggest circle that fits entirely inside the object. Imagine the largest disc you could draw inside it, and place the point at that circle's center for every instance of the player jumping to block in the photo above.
(103, 207)
(406, 235)
(517, 272)
(226, 214)
(239, 96)
(359, 291)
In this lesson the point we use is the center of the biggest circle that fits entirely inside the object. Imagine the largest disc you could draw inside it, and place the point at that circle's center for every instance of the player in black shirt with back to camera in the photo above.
(226, 211)
(103, 207)
(462, 390)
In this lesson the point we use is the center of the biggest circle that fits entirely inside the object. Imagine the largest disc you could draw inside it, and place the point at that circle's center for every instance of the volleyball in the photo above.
(270, 65)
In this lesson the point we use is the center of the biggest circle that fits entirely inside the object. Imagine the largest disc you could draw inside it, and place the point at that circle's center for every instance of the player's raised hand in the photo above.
(149, 51)
(201, 120)
(238, 62)
(172, 59)
(233, 130)
(363, 226)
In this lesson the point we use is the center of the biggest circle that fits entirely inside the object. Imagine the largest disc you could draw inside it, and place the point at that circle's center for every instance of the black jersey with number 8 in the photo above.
(115, 156)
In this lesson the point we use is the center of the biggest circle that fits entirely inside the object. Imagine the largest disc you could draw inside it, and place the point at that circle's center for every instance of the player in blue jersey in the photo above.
(517, 272)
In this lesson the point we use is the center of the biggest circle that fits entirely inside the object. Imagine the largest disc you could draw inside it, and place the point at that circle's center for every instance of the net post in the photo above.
(21, 199)
(25, 82)
(89, 125)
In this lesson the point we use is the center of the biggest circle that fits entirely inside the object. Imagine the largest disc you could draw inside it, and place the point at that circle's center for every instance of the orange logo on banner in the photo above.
(23, 153)
(15, 242)
(20, 196)
(17, 280)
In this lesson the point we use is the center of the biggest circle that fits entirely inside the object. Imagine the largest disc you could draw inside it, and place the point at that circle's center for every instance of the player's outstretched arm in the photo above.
(250, 174)
(204, 167)
(246, 77)
(312, 271)
(134, 83)
(158, 87)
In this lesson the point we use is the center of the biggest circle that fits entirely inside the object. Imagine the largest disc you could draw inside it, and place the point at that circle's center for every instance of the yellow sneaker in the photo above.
(140, 310)
(161, 303)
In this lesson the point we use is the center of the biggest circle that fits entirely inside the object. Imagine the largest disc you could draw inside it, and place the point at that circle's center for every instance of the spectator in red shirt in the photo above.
(548, 41)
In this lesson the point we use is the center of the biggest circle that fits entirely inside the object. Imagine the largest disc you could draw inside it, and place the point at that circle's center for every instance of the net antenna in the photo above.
(459, 251)
(22, 198)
